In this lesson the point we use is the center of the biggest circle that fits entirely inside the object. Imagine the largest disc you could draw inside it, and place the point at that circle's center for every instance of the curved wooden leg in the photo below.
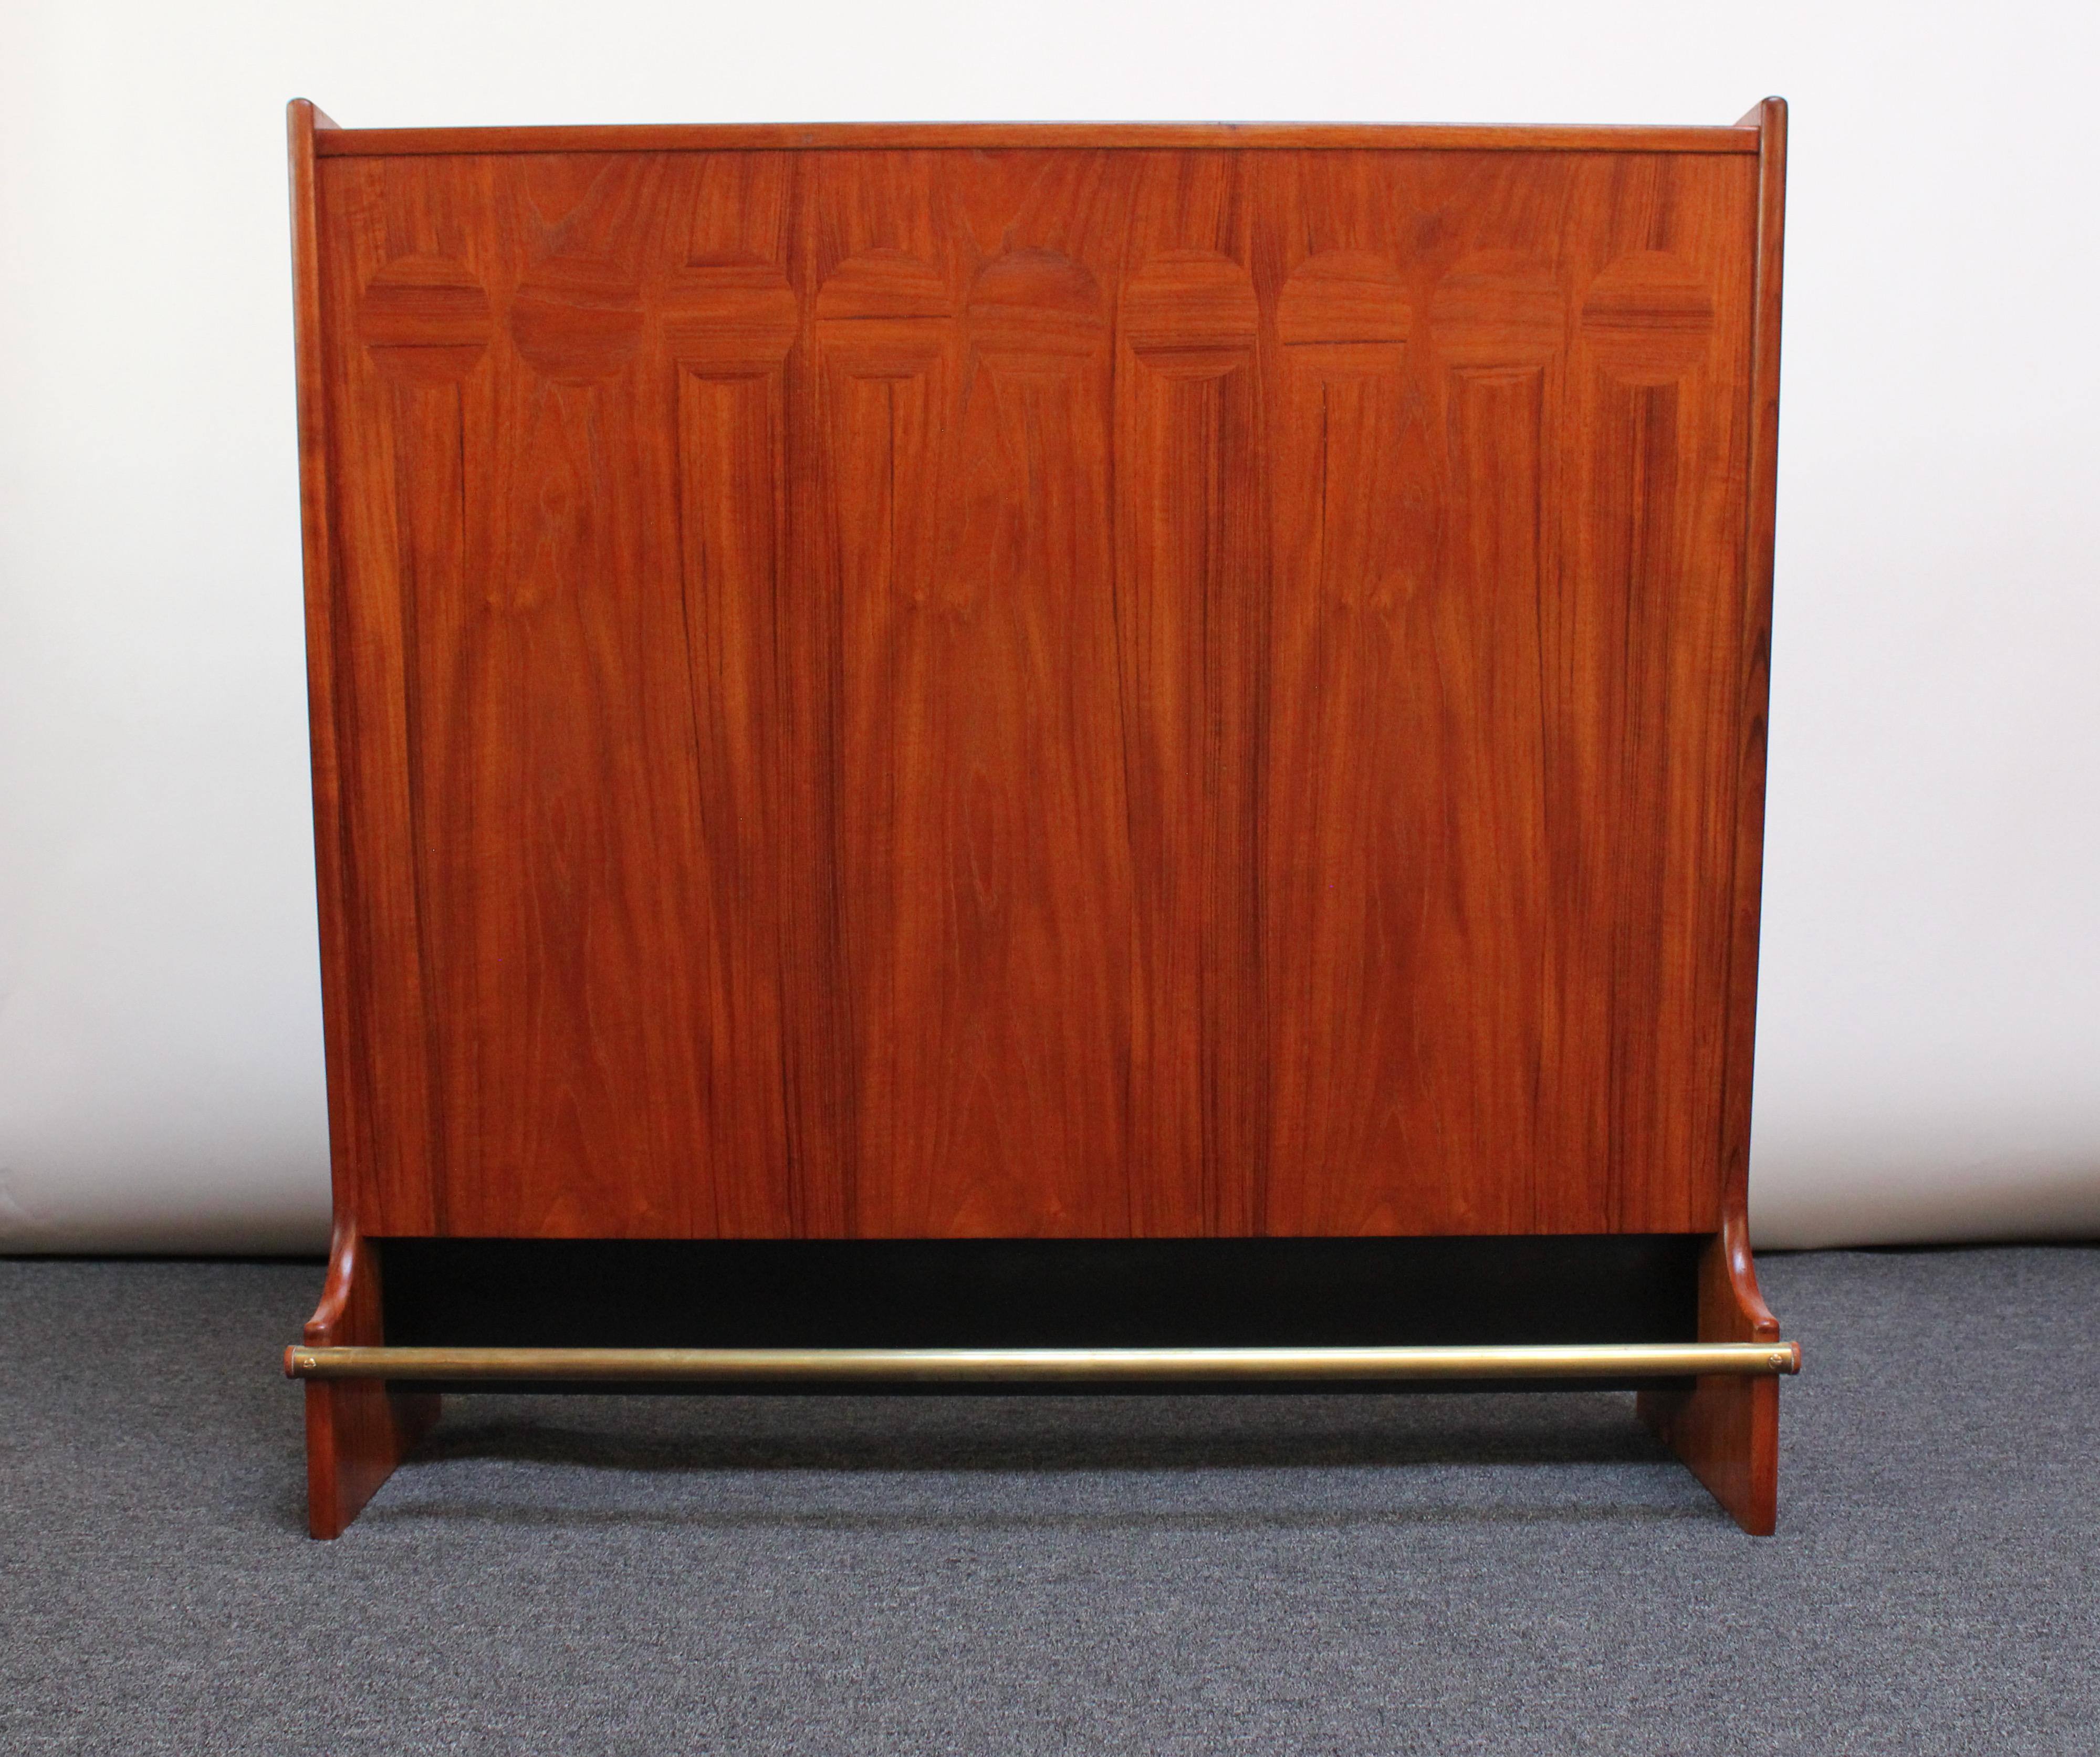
(1726, 1430)
(356, 1433)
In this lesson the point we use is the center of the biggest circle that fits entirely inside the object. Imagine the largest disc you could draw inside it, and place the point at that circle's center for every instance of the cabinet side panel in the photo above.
(1754, 652)
(348, 1100)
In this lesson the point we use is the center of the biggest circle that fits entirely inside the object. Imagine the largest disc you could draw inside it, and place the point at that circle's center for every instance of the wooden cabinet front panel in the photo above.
(1066, 691)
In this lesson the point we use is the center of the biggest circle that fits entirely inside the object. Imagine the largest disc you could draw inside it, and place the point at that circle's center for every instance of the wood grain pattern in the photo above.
(992, 137)
(1192, 586)
(1752, 657)
(963, 377)
(941, 682)
(1729, 1435)
(729, 321)
(350, 1151)
(1350, 524)
(1052, 691)
(1726, 1431)
(356, 1433)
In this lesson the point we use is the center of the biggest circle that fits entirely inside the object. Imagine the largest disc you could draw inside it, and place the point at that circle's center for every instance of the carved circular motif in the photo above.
(424, 320)
(1036, 301)
(1342, 297)
(1499, 306)
(1183, 308)
(883, 284)
(730, 310)
(576, 321)
(1651, 314)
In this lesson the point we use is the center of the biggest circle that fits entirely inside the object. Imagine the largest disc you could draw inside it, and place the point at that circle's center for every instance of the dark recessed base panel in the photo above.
(1036, 1293)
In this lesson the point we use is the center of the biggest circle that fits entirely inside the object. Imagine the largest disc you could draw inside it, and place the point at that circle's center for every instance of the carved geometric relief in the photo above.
(1036, 306)
(728, 320)
(1339, 747)
(886, 344)
(425, 323)
(1240, 705)
(728, 317)
(1500, 324)
(1498, 308)
(883, 283)
(1030, 872)
(998, 187)
(738, 214)
(1649, 317)
(727, 344)
(881, 325)
(1351, 305)
(1343, 319)
(1190, 314)
(425, 319)
(577, 320)
(576, 315)
(593, 1119)
(1645, 333)
(1193, 614)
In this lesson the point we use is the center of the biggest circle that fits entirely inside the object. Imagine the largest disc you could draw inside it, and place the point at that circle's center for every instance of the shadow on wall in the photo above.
(1882, 1189)
(1900, 1185)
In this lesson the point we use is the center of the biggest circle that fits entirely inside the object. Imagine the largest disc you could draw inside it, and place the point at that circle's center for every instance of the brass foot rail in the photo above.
(1645, 1360)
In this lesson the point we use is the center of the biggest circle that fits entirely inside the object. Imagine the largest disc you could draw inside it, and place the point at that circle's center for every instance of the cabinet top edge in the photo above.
(990, 137)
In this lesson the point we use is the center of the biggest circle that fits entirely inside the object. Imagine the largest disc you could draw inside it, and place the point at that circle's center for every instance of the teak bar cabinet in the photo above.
(950, 756)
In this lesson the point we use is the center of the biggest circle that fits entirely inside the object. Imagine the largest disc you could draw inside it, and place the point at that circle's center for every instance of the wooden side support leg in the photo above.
(356, 1433)
(1726, 1430)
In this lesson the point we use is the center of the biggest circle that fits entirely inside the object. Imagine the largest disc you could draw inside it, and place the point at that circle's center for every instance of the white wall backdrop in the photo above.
(1928, 1057)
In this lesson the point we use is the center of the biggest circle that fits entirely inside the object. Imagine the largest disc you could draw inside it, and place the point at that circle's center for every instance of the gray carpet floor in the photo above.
(1505, 1573)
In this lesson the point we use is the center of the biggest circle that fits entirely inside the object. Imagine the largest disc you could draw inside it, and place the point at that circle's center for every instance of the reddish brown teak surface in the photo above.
(1027, 682)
